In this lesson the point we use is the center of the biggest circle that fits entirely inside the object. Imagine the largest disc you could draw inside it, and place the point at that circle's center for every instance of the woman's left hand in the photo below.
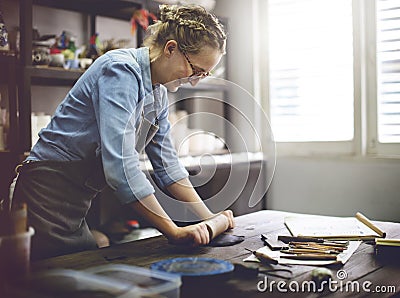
(229, 215)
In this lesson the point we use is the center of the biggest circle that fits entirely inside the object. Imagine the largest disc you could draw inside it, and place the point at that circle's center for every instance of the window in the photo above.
(311, 70)
(388, 66)
(334, 73)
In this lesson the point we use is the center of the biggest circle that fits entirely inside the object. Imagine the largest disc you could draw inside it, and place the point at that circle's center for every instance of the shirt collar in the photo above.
(143, 59)
(154, 95)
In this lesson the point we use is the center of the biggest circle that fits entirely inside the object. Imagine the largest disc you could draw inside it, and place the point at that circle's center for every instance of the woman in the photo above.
(95, 136)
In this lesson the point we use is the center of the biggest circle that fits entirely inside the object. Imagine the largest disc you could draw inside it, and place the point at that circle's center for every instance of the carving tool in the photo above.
(264, 258)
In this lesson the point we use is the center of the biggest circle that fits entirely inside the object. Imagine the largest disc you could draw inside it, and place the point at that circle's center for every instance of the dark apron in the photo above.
(59, 195)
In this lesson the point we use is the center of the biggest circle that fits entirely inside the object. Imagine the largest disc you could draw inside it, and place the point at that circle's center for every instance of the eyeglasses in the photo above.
(198, 73)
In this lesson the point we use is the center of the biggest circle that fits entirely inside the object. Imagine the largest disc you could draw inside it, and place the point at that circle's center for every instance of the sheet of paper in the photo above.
(341, 258)
(328, 227)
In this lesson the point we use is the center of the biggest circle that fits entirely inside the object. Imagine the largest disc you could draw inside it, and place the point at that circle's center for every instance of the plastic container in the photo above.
(120, 281)
(142, 281)
(15, 255)
(74, 283)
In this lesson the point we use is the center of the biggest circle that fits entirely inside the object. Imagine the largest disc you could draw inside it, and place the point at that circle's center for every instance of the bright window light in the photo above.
(311, 70)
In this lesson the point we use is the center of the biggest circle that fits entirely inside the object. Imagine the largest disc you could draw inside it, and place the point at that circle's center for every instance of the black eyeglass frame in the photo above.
(200, 74)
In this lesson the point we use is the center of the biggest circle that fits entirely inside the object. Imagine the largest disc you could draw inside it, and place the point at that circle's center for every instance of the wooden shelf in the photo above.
(53, 75)
(5, 54)
(120, 9)
(47, 75)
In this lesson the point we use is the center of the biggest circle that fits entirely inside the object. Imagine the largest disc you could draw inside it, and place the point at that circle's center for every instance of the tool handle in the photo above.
(288, 239)
(265, 258)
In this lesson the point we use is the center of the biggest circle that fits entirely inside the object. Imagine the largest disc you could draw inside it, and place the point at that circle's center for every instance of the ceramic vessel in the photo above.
(40, 55)
(3, 35)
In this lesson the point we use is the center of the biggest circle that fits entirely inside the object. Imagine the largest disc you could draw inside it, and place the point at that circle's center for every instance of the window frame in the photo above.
(365, 140)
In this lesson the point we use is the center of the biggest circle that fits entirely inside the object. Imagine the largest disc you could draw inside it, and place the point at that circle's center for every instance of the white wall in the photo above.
(322, 185)
(337, 186)
(240, 66)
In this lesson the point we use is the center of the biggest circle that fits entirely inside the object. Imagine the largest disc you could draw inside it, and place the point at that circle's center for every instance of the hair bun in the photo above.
(168, 13)
(191, 24)
(180, 16)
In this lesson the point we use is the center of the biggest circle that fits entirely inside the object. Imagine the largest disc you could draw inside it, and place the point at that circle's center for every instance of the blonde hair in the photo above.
(191, 26)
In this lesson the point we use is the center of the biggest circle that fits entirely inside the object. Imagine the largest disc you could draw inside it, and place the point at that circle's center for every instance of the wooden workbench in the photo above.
(362, 266)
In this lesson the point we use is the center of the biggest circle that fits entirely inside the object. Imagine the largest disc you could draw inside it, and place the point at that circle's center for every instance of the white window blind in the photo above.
(388, 68)
(311, 70)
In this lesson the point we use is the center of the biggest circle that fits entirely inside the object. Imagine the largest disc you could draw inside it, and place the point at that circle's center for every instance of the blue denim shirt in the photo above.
(101, 115)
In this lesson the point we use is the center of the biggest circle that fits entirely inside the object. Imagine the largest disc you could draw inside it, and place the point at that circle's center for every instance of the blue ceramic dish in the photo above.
(192, 266)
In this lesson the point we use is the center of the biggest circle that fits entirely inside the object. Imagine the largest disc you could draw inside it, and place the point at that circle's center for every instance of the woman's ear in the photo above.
(170, 47)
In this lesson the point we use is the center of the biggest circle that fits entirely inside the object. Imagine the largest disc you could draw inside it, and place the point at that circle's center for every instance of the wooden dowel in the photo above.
(217, 225)
(369, 224)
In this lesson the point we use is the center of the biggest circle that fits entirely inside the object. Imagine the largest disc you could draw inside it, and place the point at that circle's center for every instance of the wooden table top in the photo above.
(362, 268)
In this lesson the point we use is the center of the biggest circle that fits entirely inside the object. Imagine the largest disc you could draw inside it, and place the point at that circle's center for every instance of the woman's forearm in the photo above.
(152, 212)
(183, 190)
(150, 209)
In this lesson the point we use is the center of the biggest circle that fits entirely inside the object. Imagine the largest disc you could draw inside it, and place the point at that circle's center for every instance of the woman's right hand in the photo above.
(193, 235)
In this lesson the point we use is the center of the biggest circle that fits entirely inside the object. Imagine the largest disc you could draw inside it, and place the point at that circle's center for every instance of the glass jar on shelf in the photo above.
(4, 45)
